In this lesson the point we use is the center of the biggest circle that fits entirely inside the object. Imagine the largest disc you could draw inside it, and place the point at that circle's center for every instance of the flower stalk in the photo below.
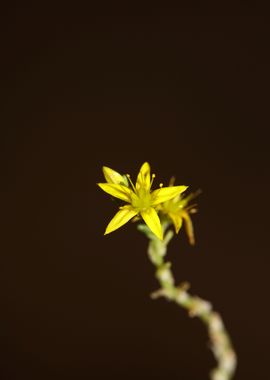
(220, 341)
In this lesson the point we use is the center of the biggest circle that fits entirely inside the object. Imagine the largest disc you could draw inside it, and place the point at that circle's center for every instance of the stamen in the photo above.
(132, 184)
(161, 185)
(152, 180)
(172, 181)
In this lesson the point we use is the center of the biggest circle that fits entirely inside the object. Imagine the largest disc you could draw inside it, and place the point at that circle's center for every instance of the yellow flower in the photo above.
(178, 211)
(139, 198)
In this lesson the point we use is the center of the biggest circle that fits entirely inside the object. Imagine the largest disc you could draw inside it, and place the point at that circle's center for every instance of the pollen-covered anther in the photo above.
(161, 185)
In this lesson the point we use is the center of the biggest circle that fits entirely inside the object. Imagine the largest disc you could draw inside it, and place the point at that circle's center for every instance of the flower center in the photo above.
(141, 200)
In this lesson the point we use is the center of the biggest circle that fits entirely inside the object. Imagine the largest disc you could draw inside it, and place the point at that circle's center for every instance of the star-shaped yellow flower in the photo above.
(178, 211)
(139, 198)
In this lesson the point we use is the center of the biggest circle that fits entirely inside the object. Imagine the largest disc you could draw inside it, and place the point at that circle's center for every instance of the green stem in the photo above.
(197, 307)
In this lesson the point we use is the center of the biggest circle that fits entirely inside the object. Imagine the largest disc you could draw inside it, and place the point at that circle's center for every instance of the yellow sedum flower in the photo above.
(139, 198)
(178, 211)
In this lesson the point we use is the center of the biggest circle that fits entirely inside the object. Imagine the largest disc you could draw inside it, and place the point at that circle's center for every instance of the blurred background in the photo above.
(183, 87)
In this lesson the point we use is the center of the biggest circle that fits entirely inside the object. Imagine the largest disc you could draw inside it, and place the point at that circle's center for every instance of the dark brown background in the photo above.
(183, 87)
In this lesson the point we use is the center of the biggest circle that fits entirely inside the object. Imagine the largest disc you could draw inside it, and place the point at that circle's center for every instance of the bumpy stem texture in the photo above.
(197, 307)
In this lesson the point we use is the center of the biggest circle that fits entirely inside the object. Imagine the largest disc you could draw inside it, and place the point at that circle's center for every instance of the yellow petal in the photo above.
(151, 218)
(112, 176)
(166, 193)
(189, 228)
(117, 191)
(145, 168)
(143, 178)
(177, 221)
(120, 218)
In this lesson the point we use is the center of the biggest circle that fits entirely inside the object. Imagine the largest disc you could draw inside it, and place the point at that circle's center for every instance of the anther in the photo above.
(161, 185)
